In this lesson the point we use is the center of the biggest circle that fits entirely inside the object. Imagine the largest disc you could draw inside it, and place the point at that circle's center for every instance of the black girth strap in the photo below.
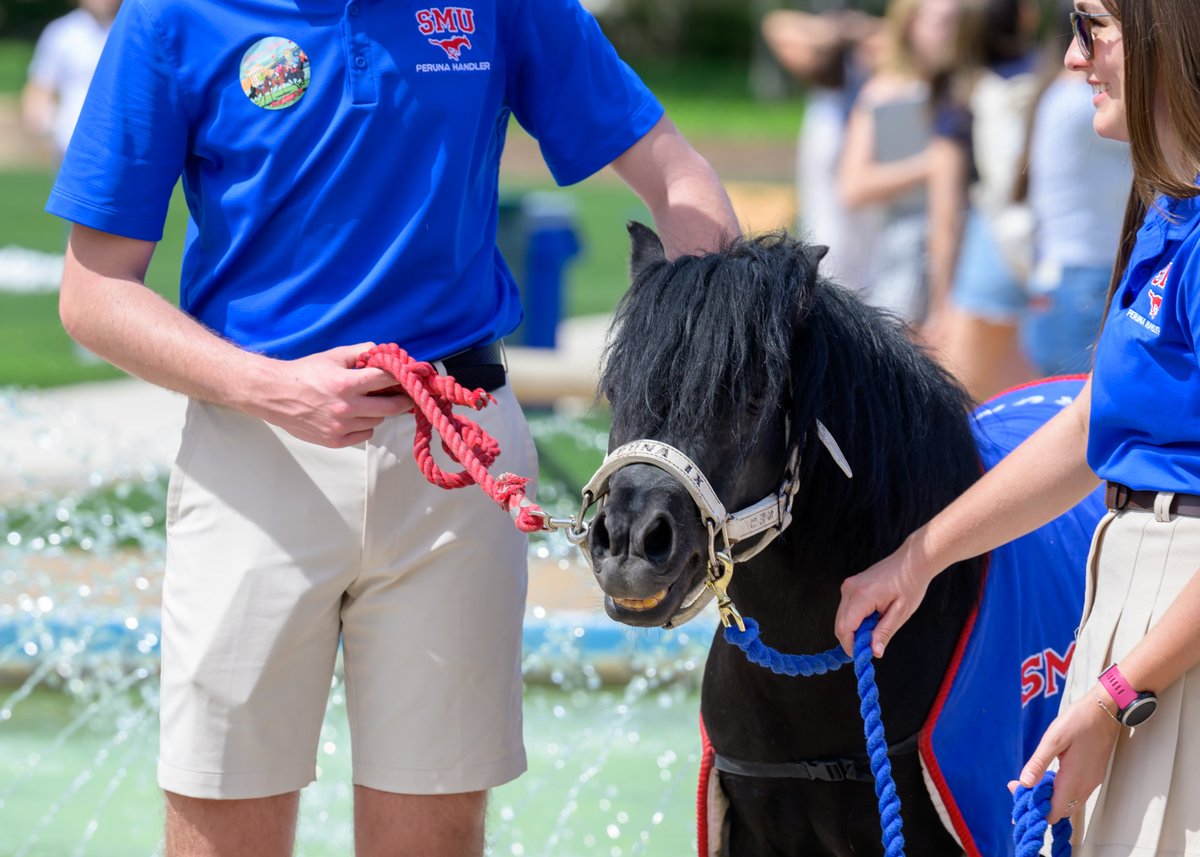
(826, 770)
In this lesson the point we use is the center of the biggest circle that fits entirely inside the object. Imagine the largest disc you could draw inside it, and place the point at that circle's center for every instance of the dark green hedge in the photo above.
(25, 18)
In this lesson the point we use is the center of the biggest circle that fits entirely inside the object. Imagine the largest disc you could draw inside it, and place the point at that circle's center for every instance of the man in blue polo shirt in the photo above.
(340, 163)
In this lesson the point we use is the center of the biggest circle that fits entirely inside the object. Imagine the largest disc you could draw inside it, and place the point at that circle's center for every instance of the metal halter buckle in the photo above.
(720, 575)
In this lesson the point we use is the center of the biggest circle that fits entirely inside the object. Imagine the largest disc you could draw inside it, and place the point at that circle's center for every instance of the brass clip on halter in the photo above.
(720, 575)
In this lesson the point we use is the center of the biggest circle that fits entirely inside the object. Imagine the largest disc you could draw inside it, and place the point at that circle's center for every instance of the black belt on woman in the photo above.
(1118, 496)
(484, 366)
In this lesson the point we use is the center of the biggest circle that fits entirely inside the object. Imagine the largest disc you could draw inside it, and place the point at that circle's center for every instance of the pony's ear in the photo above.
(814, 253)
(646, 248)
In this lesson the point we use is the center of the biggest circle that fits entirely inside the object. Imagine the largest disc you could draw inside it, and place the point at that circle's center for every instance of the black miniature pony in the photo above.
(741, 360)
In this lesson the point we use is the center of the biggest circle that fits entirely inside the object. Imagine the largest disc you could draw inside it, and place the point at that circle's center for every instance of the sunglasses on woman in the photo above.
(1081, 25)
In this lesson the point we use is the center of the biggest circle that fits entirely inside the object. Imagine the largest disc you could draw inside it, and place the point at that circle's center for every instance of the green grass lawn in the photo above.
(713, 101)
(34, 349)
(14, 63)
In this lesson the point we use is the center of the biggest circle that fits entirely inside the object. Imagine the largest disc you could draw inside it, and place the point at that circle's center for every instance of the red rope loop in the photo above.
(463, 439)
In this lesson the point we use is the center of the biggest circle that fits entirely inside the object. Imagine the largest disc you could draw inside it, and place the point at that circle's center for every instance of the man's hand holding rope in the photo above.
(324, 399)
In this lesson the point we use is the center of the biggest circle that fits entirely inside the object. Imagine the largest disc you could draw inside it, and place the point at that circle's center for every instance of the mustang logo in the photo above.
(453, 47)
(1155, 304)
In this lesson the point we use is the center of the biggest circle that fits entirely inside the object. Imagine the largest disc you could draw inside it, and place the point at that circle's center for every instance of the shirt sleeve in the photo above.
(129, 146)
(569, 89)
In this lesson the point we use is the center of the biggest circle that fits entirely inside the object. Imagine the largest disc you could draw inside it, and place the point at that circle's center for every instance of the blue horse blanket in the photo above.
(1005, 682)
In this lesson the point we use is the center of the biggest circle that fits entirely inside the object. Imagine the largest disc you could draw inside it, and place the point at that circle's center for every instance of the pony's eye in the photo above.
(755, 404)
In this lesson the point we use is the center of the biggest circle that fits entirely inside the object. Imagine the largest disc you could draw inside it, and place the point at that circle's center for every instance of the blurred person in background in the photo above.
(978, 273)
(886, 159)
(64, 59)
(1076, 186)
(61, 70)
(831, 53)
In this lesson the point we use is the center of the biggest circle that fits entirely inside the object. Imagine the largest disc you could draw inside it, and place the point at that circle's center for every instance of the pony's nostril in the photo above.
(598, 537)
(657, 540)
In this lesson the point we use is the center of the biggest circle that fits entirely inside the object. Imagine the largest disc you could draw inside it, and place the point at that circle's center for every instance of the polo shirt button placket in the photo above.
(363, 87)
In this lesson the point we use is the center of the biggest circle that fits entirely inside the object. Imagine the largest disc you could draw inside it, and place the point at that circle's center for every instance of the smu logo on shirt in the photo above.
(456, 21)
(1155, 300)
(453, 47)
(1160, 279)
(449, 28)
(1155, 304)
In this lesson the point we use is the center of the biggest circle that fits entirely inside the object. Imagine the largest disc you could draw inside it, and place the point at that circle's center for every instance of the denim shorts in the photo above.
(1062, 318)
(984, 286)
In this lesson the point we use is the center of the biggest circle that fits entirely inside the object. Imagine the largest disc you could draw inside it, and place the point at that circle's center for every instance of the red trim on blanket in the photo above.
(1034, 383)
(707, 754)
(925, 740)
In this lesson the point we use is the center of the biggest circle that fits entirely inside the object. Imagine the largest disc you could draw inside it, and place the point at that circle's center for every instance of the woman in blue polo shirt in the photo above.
(1136, 425)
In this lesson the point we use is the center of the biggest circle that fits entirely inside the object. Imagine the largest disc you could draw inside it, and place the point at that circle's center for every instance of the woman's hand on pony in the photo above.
(892, 587)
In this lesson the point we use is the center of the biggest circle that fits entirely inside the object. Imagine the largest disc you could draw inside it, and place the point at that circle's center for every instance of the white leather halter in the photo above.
(763, 521)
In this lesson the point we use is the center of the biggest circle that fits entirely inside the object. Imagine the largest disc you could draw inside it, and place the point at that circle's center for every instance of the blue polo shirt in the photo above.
(340, 159)
(1145, 421)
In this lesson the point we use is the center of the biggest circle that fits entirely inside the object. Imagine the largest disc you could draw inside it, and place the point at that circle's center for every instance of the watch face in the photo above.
(1139, 710)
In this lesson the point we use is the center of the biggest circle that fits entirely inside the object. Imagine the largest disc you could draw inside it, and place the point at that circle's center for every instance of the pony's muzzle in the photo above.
(639, 549)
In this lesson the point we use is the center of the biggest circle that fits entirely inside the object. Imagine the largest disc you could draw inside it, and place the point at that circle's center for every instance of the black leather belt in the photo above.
(479, 367)
(1118, 496)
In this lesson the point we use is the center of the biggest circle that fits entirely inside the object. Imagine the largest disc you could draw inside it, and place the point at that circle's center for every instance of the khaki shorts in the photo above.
(276, 547)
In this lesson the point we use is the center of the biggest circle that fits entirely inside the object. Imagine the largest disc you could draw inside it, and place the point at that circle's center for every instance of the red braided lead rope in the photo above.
(463, 440)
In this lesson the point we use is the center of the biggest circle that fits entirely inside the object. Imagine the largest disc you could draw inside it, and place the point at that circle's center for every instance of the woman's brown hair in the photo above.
(1162, 73)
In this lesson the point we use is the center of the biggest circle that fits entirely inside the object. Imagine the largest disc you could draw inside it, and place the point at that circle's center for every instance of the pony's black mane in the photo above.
(723, 342)
(706, 341)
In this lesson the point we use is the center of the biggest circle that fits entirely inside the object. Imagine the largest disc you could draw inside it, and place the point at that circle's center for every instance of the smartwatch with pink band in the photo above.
(1133, 707)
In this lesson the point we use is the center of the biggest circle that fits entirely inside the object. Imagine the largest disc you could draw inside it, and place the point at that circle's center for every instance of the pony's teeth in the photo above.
(641, 603)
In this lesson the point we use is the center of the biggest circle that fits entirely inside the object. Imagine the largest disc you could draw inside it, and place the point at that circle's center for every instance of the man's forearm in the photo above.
(691, 211)
(136, 330)
(696, 215)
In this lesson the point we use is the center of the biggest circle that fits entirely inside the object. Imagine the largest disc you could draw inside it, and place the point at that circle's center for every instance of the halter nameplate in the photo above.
(771, 512)
(665, 457)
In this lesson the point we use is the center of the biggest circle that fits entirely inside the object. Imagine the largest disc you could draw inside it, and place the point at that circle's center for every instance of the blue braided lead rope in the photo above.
(757, 652)
(1030, 808)
(881, 767)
